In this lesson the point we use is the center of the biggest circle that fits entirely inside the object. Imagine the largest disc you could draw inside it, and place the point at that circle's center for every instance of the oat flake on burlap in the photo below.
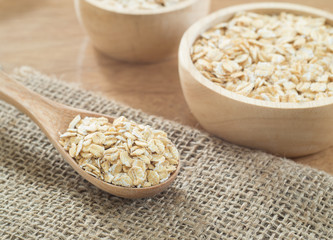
(223, 191)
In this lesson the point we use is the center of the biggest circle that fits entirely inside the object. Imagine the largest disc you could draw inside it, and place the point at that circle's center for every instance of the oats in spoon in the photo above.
(122, 153)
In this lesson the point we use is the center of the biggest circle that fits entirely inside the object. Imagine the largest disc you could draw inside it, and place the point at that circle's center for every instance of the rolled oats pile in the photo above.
(122, 153)
(137, 4)
(278, 58)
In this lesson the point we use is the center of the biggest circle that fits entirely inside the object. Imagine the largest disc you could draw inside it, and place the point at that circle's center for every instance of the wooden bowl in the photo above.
(286, 129)
(139, 35)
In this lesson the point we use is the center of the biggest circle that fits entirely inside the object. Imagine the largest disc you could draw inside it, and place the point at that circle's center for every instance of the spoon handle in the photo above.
(41, 110)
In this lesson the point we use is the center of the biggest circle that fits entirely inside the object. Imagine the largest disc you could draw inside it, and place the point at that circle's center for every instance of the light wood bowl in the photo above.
(286, 129)
(139, 35)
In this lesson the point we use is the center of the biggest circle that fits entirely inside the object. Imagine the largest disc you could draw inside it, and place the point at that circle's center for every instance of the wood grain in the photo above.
(46, 35)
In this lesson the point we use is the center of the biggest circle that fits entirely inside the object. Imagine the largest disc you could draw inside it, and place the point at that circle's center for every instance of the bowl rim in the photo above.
(212, 19)
(143, 12)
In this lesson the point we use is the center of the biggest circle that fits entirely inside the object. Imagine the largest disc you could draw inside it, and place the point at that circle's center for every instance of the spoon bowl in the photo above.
(53, 118)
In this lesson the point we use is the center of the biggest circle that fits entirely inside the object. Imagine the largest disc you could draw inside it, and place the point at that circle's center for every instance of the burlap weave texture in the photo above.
(223, 191)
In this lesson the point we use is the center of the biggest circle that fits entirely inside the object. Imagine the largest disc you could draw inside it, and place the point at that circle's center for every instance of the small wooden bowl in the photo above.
(139, 35)
(286, 129)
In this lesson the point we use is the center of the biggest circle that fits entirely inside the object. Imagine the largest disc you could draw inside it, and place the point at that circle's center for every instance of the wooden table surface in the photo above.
(46, 35)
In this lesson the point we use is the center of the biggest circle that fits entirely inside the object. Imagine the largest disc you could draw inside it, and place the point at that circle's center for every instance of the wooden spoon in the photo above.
(52, 118)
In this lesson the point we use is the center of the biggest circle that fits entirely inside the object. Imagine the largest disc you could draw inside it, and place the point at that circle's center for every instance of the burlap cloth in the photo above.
(223, 191)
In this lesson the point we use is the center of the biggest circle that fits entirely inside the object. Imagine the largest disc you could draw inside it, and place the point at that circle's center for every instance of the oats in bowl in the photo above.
(278, 58)
(137, 4)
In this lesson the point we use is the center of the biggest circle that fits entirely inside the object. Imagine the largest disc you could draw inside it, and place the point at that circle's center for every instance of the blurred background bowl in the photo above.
(139, 35)
(287, 129)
